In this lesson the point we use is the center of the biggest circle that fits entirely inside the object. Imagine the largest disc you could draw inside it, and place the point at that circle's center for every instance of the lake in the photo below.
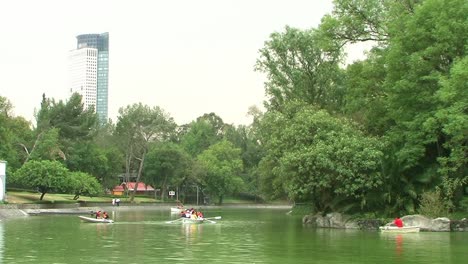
(142, 235)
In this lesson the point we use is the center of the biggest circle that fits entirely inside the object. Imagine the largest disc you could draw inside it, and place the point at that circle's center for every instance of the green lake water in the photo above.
(241, 236)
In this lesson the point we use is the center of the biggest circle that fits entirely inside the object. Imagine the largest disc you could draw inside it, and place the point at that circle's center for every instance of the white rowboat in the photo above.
(176, 210)
(95, 220)
(193, 221)
(395, 229)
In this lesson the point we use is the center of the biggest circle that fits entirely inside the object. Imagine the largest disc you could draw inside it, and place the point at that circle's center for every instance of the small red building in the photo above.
(141, 188)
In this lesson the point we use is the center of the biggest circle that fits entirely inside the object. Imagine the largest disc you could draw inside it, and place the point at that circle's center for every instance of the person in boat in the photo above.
(180, 205)
(199, 214)
(188, 213)
(105, 215)
(98, 214)
(398, 222)
(194, 215)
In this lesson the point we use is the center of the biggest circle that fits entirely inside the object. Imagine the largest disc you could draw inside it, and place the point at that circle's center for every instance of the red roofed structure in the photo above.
(142, 188)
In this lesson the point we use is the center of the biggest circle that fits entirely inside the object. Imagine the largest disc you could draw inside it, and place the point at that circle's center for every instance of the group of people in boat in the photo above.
(191, 213)
(101, 215)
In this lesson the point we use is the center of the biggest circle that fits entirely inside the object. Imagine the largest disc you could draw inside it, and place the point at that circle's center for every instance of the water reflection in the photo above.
(192, 231)
(399, 245)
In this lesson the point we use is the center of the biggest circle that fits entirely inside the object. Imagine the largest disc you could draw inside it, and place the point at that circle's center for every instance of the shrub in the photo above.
(432, 204)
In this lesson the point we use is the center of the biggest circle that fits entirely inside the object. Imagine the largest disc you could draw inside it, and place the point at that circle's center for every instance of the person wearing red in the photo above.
(398, 222)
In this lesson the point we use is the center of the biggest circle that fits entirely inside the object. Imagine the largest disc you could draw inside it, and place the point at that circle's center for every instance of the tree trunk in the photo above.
(127, 168)
(42, 196)
(140, 169)
(164, 188)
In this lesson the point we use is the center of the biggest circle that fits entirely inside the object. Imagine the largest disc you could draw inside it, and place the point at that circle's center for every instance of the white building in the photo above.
(83, 74)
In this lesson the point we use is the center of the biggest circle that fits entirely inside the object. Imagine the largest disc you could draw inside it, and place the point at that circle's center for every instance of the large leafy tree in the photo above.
(221, 166)
(61, 127)
(421, 54)
(244, 138)
(44, 175)
(138, 126)
(199, 135)
(167, 164)
(313, 156)
(80, 183)
(15, 132)
(103, 163)
(454, 119)
(300, 66)
(405, 89)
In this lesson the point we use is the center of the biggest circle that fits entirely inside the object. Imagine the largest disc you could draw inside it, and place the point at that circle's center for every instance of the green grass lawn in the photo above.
(24, 197)
(29, 197)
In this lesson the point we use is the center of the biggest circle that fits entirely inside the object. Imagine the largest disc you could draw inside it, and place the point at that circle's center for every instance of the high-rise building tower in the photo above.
(89, 71)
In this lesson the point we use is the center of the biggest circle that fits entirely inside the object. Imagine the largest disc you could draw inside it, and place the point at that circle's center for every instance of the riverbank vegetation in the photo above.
(384, 135)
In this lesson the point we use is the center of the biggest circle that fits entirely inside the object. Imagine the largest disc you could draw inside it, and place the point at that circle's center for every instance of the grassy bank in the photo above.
(27, 197)
(24, 197)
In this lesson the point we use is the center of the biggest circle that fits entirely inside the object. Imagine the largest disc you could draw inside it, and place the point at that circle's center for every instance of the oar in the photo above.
(170, 222)
(216, 218)
(211, 221)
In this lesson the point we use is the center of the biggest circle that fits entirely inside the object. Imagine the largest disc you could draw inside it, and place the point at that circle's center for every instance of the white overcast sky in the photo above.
(189, 57)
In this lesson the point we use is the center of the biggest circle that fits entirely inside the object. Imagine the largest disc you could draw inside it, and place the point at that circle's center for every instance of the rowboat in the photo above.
(395, 229)
(176, 210)
(193, 221)
(95, 220)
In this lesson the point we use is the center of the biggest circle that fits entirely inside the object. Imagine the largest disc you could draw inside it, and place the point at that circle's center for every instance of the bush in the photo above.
(432, 204)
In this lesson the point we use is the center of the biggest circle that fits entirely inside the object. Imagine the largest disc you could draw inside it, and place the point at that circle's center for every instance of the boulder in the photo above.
(422, 221)
(459, 225)
(440, 224)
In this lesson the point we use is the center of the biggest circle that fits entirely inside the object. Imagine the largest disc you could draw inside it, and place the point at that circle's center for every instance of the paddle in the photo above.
(211, 221)
(173, 221)
(216, 218)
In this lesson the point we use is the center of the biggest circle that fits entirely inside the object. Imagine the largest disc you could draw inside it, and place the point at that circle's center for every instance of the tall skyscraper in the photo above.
(89, 72)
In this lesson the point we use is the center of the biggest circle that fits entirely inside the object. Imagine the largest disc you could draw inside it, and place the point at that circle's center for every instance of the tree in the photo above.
(103, 163)
(80, 183)
(199, 135)
(15, 132)
(62, 127)
(357, 21)
(454, 119)
(300, 67)
(138, 126)
(221, 164)
(44, 175)
(167, 164)
(46, 146)
(421, 54)
(315, 157)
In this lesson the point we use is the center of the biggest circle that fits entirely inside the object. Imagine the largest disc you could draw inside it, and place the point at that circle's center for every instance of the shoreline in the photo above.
(10, 211)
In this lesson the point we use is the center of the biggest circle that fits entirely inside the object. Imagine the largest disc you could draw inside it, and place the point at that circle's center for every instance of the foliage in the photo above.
(298, 67)
(200, 134)
(167, 164)
(47, 146)
(44, 175)
(316, 157)
(14, 133)
(221, 165)
(432, 204)
(81, 183)
(139, 125)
